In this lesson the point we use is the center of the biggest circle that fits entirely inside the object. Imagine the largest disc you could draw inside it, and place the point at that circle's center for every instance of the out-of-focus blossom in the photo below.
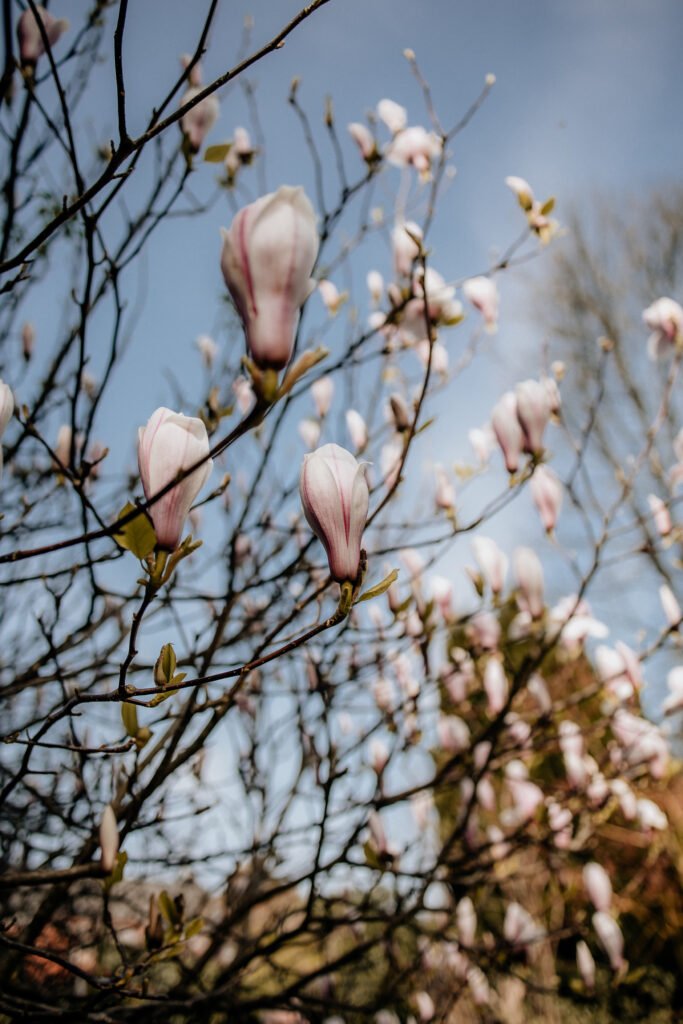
(479, 987)
(63, 445)
(309, 432)
(466, 921)
(585, 964)
(671, 607)
(453, 734)
(492, 562)
(628, 803)
(482, 440)
(445, 491)
(546, 491)
(335, 496)
(364, 139)
(611, 670)
(483, 294)
(533, 413)
(405, 248)
(390, 462)
(379, 755)
(441, 590)
(496, 686)
(650, 815)
(375, 283)
(519, 927)
(6, 410)
(424, 1005)
(483, 630)
(199, 119)
(539, 691)
(611, 938)
(597, 885)
(660, 514)
(194, 76)
(322, 391)
(529, 573)
(665, 319)
(244, 394)
(331, 296)
(439, 357)
(29, 37)
(560, 820)
(522, 189)
(383, 693)
(527, 797)
(574, 622)
(507, 429)
(415, 147)
(357, 428)
(393, 114)
(267, 258)
(641, 742)
(169, 444)
(674, 682)
(400, 413)
(208, 349)
(109, 839)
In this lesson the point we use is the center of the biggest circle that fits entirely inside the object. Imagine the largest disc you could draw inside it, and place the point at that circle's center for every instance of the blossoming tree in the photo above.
(270, 752)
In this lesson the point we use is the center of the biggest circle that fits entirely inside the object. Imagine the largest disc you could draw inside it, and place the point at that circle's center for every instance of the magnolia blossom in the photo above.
(244, 394)
(393, 114)
(63, 445)
(522, 190)
(492, 562)
(364, 139)
(199, 119)
(546, 491)
(406, 249)
(674, 682)
(445, 491)
(650, 815)
(466, 921)
(496, 686)
(453, 734)
(6, 410)
(309, 432)
(375, 283)
(507, 429)
(585, 964)
(168, 445)
(322, 392)
(109, 839)
(415, 147)
(611, 938)
(335, 497)
(331, 296)
(194, 75)
(483, 294)
(665, 319)
(31, 45)
(671, 607)
(357, 428)
(533, 413)
(28, 338)
(660, 514)
(208, 349)
(529, 572)
(398, 413)
(519, 927)
(597, 884)
(483, 441)
(267, 258)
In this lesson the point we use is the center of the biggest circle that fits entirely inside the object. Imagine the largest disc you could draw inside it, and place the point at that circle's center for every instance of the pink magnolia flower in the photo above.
(466, 921)
(660, 514)
(208, 349)
(267, 258)
(31, 45)
(195, 74)
(671, 607)
(309, 432)
(415, 147)
(483, 294)
(507, 429)
(331, 296)
(611, 938)
(519, 927)
(393, 115)
(6, 410)
(522, 189)
(529, 572)
(665, 319)
(335, 497)
(546, 491)
(453, 734)
(406, 249)
(28, 339)
(357, 428)
(169, 444)
(496, 686)
(585, 964)
(375, 283)
(533, 413)
(364, 139)
(322, 391)
(200, 119)
(445, 491)
(109, 839)
(597, 885)
(674, 682)
(492, 562)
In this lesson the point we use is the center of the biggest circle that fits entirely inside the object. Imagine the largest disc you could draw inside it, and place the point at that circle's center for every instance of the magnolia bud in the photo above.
(267, 259)
(335, 497)
(109, 839)
(507, 429)
(546, 491)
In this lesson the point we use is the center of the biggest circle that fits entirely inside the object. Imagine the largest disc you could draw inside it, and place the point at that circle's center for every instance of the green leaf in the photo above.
(372, 858)
(168, 908)
(165, 666)
(548, 206)
(379, 588)
(138, 535)
(129, 717)
(193, 927)
(217, 154)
